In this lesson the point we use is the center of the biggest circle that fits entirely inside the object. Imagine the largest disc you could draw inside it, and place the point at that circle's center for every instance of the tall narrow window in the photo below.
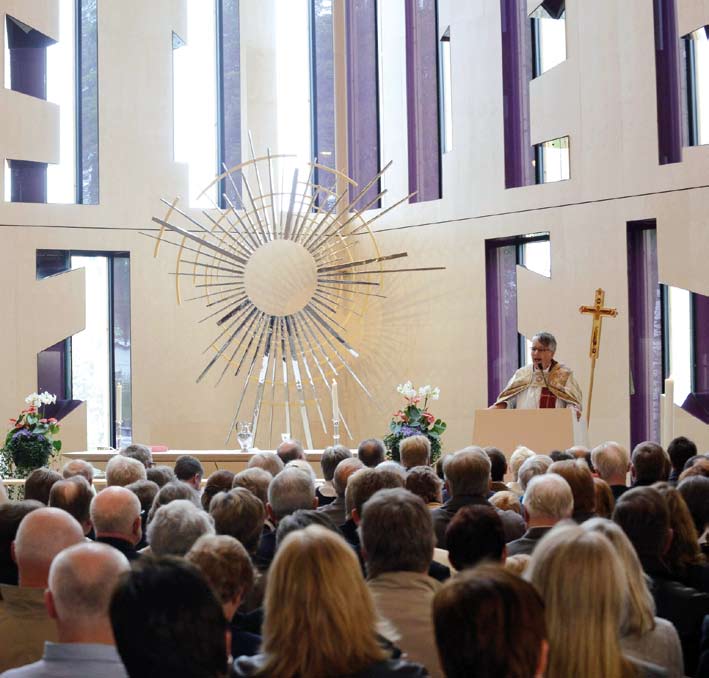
(323, 94)
(645, 329)
(446, 78)
(548, 24)
(362, 98)
(195, 101)
(422, 104)
(696, 47)
(551, 159)
(516, 74)
(667, 77)
(94, 365)
(87, 166)
(26, 72)
(507, 349)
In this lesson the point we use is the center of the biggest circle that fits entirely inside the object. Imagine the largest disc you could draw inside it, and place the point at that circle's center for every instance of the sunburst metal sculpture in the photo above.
(279, 279)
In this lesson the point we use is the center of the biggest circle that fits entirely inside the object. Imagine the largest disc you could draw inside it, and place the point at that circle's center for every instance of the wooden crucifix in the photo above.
(598, 312)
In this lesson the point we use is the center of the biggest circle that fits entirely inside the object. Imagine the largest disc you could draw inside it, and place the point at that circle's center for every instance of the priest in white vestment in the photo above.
(544, 383)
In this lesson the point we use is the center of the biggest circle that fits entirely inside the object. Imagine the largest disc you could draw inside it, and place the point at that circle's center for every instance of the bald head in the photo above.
(114, 512)
(78, 467)
(81, 582)
(42, 535)
(343, 471)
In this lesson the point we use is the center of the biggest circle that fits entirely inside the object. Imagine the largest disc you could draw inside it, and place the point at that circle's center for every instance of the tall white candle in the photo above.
(335, 404)
(119, 403)
(668, 421)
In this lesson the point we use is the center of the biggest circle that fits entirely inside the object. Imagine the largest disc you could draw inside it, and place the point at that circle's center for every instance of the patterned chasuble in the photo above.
(559, 384)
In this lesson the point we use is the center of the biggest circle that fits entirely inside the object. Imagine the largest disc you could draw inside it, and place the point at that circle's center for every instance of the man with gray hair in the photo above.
(415, 451)
(268, 461)
(81, 581)
(78, 467)
(612, 463)
(290, 490)
(397, 540)
(140, 452)
(24, 623)
(467, 475)
(535, 466)
(115, 515)
(122, 471)
(336, 510)
(176, 526)
(548, 500)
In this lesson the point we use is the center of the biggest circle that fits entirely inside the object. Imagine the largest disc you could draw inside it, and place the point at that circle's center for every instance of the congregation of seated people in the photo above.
(557, 563)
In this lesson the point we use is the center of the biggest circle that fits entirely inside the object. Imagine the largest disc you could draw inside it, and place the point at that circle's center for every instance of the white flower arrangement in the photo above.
(39, 399)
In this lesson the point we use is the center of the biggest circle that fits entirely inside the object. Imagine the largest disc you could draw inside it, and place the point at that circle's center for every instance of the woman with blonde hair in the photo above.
(643, 635)
(581, 580)
(319, 617)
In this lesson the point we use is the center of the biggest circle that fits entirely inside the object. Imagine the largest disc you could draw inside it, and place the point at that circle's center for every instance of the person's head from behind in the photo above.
(302, 518)
(161, 475)
(605, 502)
(331, 457)
(415, 451)
(506, 500)
(167, 621)
(176, 526)
(612, 462)
(548, 500)
(695, 491)
(82, 579)
(122, 471)
(219, 481)
(256, 480)
(684, 550)
(680, 450)
(74, 496)
(371, 452)
(498, 464)
(649, 464)
(11, 515)
(38, 484)
(534, 466)
(170, 492)
(227, 567)
(239, 514)
(342, 474)
(78, 467)
(467, 472)
(581, 581)
(315, 585)
(41, 536)
(290, 490)
(115, 512)
(188, 469)
(397, 533)
(490, 623)
(475, 534)
(146, 491)
(140, 452)
(517, 458)
(577, 474)
(582, 452)
(268, 461)
(364, 484)
(639, 611)
(289, 450)
(643, 515)
(424, 483)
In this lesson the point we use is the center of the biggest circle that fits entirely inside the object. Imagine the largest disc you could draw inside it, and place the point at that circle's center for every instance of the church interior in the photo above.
(536, 181)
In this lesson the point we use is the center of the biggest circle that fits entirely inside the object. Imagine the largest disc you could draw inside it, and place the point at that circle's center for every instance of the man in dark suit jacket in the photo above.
(467, 474)
(547, 500)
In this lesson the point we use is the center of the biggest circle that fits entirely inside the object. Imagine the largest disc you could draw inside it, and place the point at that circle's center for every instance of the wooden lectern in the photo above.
(539, 430)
